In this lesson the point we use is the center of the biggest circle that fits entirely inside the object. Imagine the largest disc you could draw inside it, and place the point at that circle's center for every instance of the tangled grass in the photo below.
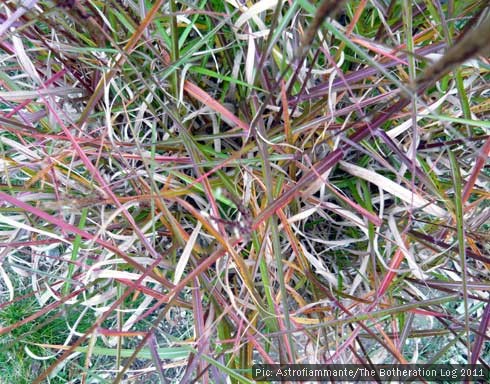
(189, 188)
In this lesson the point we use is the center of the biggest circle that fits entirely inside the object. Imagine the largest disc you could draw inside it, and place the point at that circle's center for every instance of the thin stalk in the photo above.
(458, 202)
(174, 52)
(74, 253)
(276, 246)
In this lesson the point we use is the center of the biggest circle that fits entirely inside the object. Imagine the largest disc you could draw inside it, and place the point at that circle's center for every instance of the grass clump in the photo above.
(189, 188)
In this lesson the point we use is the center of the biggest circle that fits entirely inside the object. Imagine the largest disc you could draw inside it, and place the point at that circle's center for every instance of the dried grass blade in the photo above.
(394, 188)
(186, 254)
